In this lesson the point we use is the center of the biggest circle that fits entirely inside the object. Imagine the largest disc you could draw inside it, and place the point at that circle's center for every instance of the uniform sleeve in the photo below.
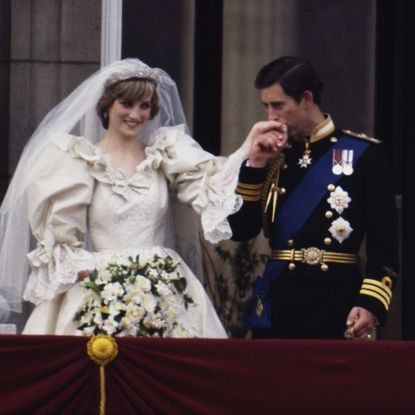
(381, 240)
(60, 190)
(204, 181)
(247, 222)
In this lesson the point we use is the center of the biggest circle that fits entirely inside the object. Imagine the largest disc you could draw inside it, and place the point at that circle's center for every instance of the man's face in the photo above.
(281, 107)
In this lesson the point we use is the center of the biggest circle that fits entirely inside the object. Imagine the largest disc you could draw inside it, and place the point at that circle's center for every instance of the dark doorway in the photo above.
(394, 108)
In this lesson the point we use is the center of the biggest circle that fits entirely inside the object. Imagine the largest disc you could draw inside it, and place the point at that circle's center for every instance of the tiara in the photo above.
(141, 71)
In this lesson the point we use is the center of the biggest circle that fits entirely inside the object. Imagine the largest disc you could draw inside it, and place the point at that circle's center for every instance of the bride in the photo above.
(96, 195)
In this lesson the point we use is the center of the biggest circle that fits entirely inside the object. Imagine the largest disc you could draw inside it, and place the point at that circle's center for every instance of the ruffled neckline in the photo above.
(100, 165)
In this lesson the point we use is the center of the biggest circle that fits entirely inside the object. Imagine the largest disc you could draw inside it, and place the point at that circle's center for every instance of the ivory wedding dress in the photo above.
(75, 191)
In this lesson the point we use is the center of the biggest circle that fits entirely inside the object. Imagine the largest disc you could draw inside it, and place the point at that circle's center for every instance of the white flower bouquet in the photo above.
(136, 298)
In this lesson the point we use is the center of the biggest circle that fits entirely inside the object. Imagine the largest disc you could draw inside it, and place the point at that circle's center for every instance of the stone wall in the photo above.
(47, 48)
(338, 36)
(55, 44)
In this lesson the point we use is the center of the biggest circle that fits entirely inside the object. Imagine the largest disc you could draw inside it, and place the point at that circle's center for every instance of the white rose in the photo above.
(163, 289)
(111, 291)
(149, 303)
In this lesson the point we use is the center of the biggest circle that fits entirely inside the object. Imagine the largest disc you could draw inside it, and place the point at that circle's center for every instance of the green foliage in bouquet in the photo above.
(135, 298)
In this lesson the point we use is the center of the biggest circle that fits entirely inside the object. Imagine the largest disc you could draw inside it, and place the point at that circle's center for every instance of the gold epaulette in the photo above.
(270, 185)
(362, 136)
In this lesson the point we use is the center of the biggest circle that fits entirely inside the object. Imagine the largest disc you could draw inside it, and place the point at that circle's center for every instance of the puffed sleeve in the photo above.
(200, 179)
(59, 192)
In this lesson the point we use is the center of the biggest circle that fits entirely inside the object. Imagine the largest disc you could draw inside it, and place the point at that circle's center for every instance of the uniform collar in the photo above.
(322, 130)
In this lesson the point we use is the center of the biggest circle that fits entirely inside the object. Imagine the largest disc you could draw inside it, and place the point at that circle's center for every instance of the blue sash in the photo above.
(294, 214)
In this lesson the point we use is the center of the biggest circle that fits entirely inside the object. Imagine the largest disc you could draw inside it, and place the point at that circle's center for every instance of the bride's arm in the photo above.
(204, 181)
(59, 193)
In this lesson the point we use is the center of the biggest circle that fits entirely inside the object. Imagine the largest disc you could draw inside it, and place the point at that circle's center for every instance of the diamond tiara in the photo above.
(133, 71)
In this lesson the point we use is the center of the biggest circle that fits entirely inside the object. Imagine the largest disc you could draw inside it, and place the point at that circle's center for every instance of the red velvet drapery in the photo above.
(54, 375)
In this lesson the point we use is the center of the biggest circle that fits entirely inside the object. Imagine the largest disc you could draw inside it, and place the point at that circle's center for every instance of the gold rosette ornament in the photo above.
(102, 349)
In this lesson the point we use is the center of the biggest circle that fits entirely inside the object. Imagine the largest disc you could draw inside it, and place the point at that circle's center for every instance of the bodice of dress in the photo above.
(135, 217)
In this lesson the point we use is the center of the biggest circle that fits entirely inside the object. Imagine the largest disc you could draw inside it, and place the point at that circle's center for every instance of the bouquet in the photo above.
(135, 298)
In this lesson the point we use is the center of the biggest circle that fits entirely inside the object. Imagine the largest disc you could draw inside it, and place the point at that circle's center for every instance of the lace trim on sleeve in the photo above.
(56, 273)
(216, 178)
(222, 199)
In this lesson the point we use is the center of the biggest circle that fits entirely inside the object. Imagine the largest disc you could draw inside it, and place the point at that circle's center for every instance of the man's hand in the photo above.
(362, 321)
(267, 140)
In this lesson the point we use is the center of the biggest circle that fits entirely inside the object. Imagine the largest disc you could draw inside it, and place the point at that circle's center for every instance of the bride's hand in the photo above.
(267, 139)
(85, 273)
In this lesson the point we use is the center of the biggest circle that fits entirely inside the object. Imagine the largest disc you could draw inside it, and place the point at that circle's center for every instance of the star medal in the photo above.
(305, 160)
(340, 229)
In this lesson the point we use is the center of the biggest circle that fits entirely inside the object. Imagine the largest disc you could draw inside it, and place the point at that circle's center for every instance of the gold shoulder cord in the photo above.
(362, 136)
(271, 191)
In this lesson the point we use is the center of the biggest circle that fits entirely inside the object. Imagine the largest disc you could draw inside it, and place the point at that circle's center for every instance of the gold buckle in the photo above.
(312, 255)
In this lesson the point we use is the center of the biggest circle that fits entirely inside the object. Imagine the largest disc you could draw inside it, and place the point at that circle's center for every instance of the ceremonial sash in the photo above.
(293, 215)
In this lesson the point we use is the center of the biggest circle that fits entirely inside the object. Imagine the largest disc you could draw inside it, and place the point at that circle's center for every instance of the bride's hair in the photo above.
(132, 89)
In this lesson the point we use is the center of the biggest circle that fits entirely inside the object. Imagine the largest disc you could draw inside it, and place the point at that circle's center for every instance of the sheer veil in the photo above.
(74, 115)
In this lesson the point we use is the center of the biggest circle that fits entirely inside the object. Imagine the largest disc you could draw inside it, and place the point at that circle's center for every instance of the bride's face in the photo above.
(128, 118)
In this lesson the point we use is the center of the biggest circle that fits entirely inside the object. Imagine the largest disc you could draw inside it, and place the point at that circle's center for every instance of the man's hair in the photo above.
(295, 75)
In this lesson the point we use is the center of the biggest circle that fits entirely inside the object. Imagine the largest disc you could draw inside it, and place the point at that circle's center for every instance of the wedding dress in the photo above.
(75, 191)
(83, 213)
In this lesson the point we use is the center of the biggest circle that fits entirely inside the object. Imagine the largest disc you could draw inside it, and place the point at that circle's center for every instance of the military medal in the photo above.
(340, 229)
(305, 160)
(337, 168)
(339, 200)
(342, 162)
(347, 157)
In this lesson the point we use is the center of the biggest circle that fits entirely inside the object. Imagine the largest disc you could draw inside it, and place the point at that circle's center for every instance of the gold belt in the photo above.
(313, 256)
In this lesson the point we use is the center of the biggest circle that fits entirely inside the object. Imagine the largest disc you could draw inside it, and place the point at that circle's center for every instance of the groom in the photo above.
(317, 197)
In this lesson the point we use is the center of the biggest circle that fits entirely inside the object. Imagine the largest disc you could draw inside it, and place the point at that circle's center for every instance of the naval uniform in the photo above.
(317, 203)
